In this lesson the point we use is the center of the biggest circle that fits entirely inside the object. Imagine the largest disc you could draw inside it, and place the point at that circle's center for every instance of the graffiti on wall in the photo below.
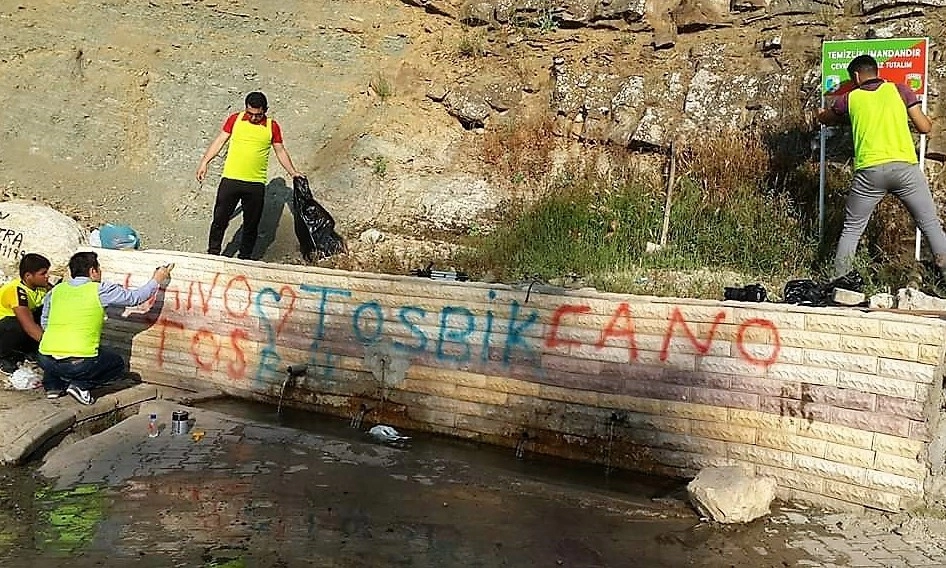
(230, 326)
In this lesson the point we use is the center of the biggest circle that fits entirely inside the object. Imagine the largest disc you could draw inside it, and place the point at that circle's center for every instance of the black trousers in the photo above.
(14, 342)
(230, 192)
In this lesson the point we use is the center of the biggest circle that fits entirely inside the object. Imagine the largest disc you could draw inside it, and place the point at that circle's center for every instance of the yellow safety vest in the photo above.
(74, 326)
(881, 127)
(8, 299)
(248, 155)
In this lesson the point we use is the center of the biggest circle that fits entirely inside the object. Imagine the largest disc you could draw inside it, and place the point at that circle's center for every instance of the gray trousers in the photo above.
(870, 185)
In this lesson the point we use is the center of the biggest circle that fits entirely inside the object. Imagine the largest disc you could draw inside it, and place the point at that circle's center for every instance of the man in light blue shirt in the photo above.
(72, 319)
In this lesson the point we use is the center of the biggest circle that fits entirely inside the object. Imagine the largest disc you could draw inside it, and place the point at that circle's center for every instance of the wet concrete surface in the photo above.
(314, 492)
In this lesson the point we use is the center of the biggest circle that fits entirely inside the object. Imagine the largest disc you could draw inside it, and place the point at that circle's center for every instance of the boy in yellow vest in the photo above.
(21, 300)
(251, 135)
(885, 158)
(72, 318)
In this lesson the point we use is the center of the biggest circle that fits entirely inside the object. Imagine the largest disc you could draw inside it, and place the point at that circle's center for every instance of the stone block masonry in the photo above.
(836, 405)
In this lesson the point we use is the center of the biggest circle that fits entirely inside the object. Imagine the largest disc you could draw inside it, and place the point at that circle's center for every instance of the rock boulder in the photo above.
(731, 495)
(28, 226)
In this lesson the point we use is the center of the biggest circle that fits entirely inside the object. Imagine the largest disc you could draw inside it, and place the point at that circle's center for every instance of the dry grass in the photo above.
(519, 152)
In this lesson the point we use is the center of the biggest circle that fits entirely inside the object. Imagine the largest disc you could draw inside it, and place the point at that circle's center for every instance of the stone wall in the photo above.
(841, 407)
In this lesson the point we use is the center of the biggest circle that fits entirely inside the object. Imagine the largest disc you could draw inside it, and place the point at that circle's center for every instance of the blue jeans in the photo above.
(83, 372)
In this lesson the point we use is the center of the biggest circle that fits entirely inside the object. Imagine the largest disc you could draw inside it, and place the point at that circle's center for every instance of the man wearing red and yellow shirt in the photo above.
(251, 134)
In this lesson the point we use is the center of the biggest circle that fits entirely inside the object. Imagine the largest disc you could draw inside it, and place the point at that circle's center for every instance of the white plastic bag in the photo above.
(26, 378)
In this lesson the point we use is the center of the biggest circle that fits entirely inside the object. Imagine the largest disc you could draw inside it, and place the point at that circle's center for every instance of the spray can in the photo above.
(179, 423)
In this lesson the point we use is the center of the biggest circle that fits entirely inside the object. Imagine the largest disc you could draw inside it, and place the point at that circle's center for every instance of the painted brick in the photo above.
(920, 431)
(480, 395)
(697, 379)
(796, 408)
(897, 446)
(880, 347)
(791, 478)
(844, 398)
(802, 374)
(894, 483)
(914, 332)
(871, 421)
(863, 495)
(590, 398)
(830, 469)
(762, 353)
(678, 442)
(764, 420)
(923, 393)
(632, 403)
(820, 500)
(512, 386)
(428, 387)
(843, 324)
(694, 411)
(761, 456)
(720, 431)
(898, 465)
(791, 443)
(810, 339)
(878, 385)
(782, 320)
(908, 371)
(685, 361)
(930, 354)
(657, 390)
(900, 407)
(687, 464)
(842, 361)
(837, 434)
(848, 455)
(767, 386)
(662, 423)
(728, 366)
(727, 398)
(685, 345)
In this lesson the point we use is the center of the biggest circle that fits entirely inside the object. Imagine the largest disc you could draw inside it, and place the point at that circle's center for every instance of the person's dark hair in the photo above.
(863, 64)
(256, 99)
(82, 263)
(32, 262)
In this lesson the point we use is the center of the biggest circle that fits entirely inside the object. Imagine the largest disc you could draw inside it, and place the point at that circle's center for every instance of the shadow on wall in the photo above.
(278, 196)
(134, 321)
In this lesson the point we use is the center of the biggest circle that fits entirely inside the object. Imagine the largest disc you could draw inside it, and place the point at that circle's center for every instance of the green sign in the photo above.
(901, 60)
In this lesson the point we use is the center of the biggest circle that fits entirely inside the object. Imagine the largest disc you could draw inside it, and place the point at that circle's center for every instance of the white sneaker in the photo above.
(83, 396)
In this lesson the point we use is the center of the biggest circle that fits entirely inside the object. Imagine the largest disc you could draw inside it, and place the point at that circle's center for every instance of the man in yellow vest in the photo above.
(885, 158)
(72, 319)
(21, 301)
(251, 135)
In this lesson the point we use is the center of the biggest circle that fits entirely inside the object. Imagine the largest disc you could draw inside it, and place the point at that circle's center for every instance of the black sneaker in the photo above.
(54, 394)
(8, 366)
(81, 395)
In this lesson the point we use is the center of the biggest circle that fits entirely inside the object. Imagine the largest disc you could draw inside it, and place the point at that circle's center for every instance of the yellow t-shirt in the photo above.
(14, 294)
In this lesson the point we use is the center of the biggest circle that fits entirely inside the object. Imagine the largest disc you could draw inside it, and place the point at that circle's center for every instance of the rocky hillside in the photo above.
(108, 104)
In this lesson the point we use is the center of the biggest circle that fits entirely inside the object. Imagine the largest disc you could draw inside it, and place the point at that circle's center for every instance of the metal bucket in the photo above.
(180, 423)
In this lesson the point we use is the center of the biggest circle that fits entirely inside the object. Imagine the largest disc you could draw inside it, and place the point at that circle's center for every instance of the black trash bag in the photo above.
(807, 293)
(852, 281)
(748, 293)
(313, 224)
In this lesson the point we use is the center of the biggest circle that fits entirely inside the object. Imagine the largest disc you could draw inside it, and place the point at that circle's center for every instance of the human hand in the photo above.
(201, 172)
(296, 174)
(162, 274)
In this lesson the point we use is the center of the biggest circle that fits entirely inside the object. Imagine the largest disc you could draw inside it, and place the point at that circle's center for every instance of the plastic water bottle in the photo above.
(153, 426)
